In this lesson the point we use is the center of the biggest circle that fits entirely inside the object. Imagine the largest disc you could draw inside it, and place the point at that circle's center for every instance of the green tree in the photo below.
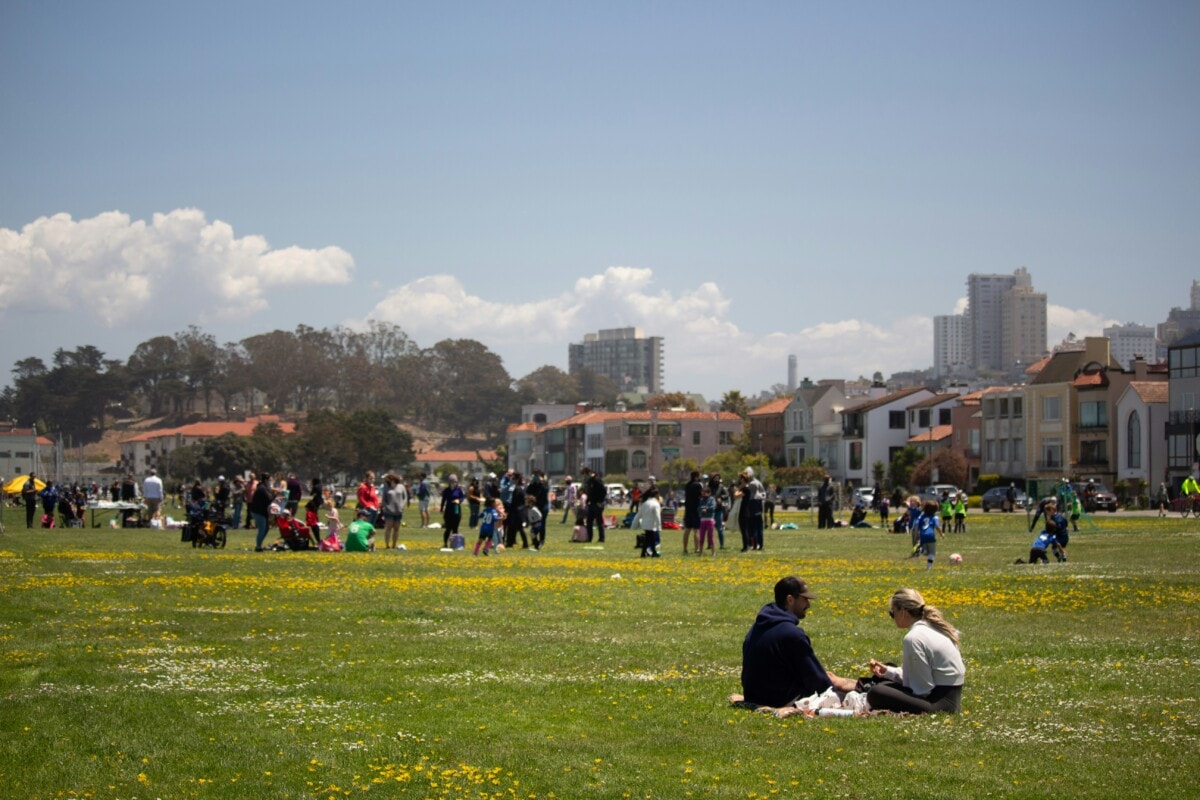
(273, 362)
(156, 370)
(472, 390)
(734, 402)
(548, 384)
(664, 402)
(596, 388)
(901, 467)
(202, 360)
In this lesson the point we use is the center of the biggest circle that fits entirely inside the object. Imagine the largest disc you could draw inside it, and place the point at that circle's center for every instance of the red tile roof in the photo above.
(938, 433)
(776, 406)
(205, 430)
(447, 456)
(1152, 391)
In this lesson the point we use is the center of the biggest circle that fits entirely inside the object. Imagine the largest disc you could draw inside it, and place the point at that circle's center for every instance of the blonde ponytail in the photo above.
(910, 601)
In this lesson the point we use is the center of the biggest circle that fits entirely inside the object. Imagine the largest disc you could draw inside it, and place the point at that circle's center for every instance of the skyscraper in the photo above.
(951, 343)
(1006, 318)
(1130, 340)
(1023, 321)
(633, 361)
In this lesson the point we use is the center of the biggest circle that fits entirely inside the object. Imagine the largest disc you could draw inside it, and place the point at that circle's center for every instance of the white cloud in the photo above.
(113, 268)
(705, 350)
(1062, 321)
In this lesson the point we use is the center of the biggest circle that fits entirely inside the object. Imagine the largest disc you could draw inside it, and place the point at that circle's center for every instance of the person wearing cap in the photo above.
(778, 662)
(361, 533)
(451, 508)
(152, 493)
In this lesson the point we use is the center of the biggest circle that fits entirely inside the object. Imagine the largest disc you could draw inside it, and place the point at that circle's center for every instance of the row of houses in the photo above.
(1078, 414)
(559, 439)
(152, 449)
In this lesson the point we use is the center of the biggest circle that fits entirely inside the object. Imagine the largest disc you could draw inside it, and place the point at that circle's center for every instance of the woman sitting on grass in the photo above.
(930, 678)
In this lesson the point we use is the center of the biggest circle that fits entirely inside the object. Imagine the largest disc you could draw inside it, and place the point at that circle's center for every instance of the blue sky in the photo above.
(746, 180)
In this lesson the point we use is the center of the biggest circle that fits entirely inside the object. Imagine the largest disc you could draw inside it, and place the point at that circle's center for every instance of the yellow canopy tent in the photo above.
(18, 483)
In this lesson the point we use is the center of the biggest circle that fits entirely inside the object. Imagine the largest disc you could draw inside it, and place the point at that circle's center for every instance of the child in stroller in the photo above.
(296, 535)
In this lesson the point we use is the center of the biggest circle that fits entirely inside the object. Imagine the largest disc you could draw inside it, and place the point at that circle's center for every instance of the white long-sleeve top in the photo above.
(649, 515)
(930, 659)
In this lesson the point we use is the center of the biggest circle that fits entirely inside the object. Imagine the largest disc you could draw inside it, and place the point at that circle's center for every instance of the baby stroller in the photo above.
(205, 526)
(296, 535)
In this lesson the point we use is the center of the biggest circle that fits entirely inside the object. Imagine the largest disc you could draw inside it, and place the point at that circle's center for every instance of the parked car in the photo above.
(1101, 497)
(866, 494)
(800, 497)
(997, 496)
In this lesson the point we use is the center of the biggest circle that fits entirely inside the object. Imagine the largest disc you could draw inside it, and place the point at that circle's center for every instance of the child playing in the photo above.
(488, 519)
(947, 510)
(311, 518)
(1053, 537)
(912, 513)
(928, 529)
(579, 532)
(332, 521)
(537, 523)
(708, 522)
(884, 504)
(960, 513)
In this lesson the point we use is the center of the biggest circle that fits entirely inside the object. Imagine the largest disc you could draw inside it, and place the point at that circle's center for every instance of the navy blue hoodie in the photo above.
(778, 663)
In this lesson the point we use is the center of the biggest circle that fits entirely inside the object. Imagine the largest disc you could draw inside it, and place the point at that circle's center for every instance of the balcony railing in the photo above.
(1090, 463)
(1092, 427)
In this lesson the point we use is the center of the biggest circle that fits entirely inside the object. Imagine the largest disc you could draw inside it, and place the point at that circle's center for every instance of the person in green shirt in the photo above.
(1189, 487)
(947, 505)
(361, 533)
(960, 513)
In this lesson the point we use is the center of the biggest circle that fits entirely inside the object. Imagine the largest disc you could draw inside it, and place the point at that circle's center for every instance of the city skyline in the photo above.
(746, 183)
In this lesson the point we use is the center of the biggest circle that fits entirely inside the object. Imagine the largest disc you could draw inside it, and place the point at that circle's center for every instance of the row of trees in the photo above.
(457, 385)
(326, 443)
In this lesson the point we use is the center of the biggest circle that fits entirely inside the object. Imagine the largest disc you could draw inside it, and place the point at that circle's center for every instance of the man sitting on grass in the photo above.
(778, 662)
(361, 533)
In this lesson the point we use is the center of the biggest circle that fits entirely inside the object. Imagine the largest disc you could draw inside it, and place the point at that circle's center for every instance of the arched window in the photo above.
(638, 459)
(1134, 441)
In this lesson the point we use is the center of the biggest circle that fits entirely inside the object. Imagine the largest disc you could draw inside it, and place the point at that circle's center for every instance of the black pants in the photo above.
(30, 512)
(595, 514)
(891, 696)
(514, 523)
(451, 519)
(825, 515)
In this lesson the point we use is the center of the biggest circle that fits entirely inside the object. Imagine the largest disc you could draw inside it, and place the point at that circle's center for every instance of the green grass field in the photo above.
(135, 666)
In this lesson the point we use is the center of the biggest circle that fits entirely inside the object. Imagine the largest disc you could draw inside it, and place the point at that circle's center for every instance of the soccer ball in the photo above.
(955, 558)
